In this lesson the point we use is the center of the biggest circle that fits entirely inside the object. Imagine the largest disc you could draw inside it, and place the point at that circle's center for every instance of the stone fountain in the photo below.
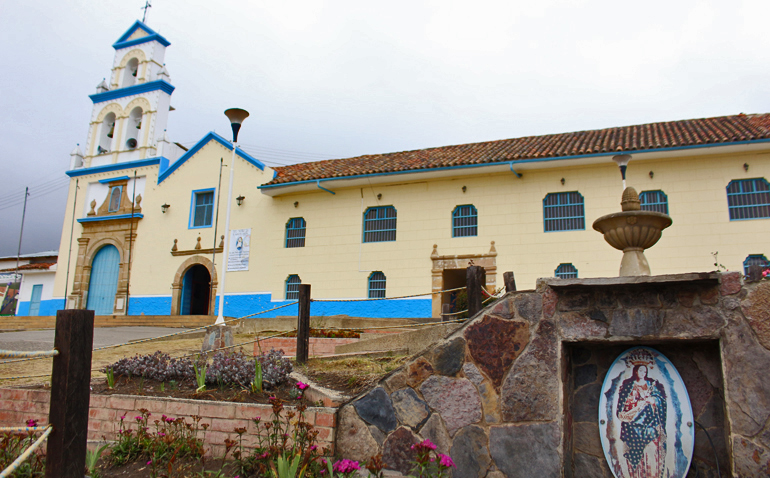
(632, 231)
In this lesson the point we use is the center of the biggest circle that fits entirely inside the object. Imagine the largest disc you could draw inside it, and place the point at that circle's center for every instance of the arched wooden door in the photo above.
(103, 284)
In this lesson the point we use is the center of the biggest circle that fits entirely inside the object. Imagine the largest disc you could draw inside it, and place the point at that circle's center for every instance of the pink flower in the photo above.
(138, 418)
(161, 434)
(425, 444)
(445, 460)
(302, 386)
(149, 462)
(123, 417)
(31, 423)
(346, 466)
(313, 447)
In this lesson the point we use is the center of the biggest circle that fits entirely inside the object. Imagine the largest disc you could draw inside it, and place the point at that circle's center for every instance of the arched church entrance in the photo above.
(196, 291)
(103, 284)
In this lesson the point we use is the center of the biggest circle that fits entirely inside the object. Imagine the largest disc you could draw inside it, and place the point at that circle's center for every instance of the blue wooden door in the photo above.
(104, 281)
(34, 301)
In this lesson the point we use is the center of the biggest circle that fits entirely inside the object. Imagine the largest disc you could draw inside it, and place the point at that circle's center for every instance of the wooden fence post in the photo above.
(510, 282)
(303, 323)
(70, 394)
(446, 310)
(475, 279)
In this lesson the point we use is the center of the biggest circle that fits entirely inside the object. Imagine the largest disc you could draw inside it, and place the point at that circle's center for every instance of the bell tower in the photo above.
(131, 108)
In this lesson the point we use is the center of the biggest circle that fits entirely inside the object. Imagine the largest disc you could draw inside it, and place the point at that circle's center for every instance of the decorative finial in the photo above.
(174, 248)
(198, 244)
(630, 201)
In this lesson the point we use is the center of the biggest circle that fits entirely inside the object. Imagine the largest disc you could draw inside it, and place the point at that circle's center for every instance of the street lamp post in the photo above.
(236, 117)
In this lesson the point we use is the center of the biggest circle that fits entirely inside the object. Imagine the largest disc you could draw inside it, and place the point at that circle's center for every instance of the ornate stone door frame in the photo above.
(176, 286)
(440, 263)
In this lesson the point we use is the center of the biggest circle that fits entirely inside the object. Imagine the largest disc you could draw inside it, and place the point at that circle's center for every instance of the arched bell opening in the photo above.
(130, 72)
(106, 134)
(133, 127)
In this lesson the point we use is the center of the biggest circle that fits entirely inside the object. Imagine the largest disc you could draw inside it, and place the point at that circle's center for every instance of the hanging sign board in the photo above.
(645, 417)
(238, 250)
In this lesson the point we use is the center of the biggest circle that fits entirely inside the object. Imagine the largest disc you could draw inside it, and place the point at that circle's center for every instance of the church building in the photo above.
(148, 231)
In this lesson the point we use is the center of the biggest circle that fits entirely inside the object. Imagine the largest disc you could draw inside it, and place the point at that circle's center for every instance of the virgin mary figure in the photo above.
(642, 412)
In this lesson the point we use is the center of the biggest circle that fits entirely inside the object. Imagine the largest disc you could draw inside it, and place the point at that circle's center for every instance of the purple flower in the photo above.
(149, 462)
(425, 444)
(31, 423)
(138, 418)
(445, 460)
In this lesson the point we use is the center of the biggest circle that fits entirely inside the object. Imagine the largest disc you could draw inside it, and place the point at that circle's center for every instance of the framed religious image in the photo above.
(645, 417)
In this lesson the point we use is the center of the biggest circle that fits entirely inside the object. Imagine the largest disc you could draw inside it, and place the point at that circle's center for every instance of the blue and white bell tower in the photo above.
(130, 111)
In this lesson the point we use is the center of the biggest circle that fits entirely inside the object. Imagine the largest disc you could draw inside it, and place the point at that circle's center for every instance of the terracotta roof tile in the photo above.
(695, 132)
(31, 267)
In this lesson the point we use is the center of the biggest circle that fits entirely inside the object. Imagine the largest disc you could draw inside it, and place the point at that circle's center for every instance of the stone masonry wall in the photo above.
(18, 405)
(514, 392)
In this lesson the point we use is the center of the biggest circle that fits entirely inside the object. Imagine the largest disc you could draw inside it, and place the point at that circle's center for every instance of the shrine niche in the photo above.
(112, 223)
(448, 272)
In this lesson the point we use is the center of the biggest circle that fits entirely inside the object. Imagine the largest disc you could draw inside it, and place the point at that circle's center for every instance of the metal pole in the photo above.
(216, 225)
(130, 244)
(69, 254)
(220, 318)
(21, 233)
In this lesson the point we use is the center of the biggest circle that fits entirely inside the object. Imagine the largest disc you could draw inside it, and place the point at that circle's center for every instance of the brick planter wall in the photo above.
(318, 345)
(18, 405)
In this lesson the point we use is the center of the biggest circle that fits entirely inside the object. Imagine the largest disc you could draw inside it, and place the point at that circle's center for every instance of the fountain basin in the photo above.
(632, 232)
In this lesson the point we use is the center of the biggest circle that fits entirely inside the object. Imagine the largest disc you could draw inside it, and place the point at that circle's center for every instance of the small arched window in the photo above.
(755, 260)
(465, 221)
(564, 212)
(566, 271)
(655, 201)
(748, 199)
(295, 232)
(130, 72)
(115, 195)
(292, 287)
(106, 134)
(377, 285)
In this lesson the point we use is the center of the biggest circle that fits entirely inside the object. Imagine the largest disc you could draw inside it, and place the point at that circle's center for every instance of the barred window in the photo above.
(295, 232)
(292, 287)
(566, 271)
(377, 285)
(748, 199)
(755, 260)
(655, 201)
(465, 221)
(564, 212)
(380, 224)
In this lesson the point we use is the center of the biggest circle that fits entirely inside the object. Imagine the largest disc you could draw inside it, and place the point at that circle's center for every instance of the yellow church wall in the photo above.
(510, 212)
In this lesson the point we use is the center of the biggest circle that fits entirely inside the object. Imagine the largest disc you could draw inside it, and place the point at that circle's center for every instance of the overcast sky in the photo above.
(343, 78)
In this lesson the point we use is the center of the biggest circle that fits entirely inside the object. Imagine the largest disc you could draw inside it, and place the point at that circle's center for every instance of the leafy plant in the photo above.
(200, 376)
(110, 377)
(287, 466)
(158, 366)
(173, 438)
(14, 444)
(426, 466)
(256, 384)
(717, 264)
(287, 436)
(92, 458)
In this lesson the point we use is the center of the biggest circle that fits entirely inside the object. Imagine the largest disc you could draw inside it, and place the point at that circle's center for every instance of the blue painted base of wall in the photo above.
(246, 304)
(47, 307)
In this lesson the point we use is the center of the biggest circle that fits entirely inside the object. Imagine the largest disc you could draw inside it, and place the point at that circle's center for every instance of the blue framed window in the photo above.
(380, 224)
(465, 221)
(755, 260)
(202, 208)
(115, 193)
(377, 285)
(655, 201)
(295, 232)
(564, 212)
(566, 271)
(748, 199)
(292, 287)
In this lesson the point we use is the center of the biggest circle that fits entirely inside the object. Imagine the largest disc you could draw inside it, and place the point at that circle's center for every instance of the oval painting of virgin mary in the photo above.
(645, 417)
